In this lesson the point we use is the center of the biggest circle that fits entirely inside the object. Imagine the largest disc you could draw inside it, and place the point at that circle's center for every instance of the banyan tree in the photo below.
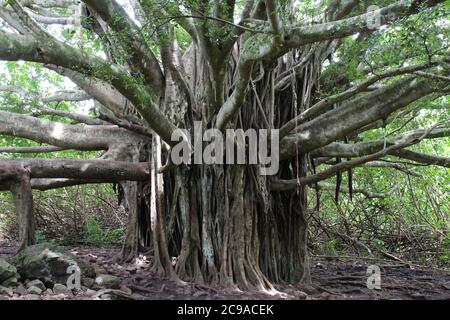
(316, 72)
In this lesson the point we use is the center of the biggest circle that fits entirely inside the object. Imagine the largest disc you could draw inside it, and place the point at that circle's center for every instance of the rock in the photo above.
(11, 282)
(61, 289)
(36, 283)
(418, 296)
(3, 298)
(6, 291)
(111, 294)
(60, 296)
(48, 292)
(300, 295)
(90, 292)
(447, 285)
(31, 297)
(49, 263)
(131, 269)
(199, 294)
(7, 272)
(125, 289)
(108, 281)
(20, 289)
(34, 290)
(87, 282)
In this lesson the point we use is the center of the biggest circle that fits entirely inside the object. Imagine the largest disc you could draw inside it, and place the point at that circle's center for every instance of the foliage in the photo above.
(72, 216)
(95, 235)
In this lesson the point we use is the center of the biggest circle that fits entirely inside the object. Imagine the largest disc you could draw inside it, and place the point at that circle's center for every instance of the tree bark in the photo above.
(20, 187)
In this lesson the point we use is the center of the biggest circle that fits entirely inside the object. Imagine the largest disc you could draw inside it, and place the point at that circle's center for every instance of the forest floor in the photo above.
(332, 278)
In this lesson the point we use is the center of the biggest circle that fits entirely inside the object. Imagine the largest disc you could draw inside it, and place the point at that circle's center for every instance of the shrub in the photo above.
(95, 235)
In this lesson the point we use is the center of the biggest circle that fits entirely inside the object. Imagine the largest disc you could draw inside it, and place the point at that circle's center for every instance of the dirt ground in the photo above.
(331, 279)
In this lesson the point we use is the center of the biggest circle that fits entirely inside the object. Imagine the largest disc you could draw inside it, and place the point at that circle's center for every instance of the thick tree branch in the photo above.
(355, 114)
(266, 46)
(78, 118)
(396, 166)
(274, 19)
(406, 141)
(61, 20)
(422, 158)
(139, 55)
(299, 36)
(105, 170)
(63, 135)
(63, 95)
(101, 91)
(38, 149)
(15, 47)
(363, 148)
(349, 93)
(128, 125)
(49, 3)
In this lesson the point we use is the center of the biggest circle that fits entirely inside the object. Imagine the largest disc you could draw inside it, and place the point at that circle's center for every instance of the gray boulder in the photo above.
(61, 289)
(34, 290)
(111, 294)
(36, 283)
(20, 290)
(87, 282)
(48, 292)
(49, 263)
(108, 281)
(11, 282)
(8, 274)
(6, 291)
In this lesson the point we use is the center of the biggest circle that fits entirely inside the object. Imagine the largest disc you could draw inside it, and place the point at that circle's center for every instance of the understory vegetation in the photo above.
(408, 220)
(78, 216)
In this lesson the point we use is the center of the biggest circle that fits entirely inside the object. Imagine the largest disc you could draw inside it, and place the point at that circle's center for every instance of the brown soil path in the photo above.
(332, 279)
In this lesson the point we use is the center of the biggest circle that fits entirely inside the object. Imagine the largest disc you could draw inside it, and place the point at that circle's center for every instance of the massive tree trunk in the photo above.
(223, 223)
(226, 227)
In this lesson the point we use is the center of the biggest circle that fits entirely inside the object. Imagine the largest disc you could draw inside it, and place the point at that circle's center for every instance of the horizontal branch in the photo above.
(44, 184)
(61, 20)
(364, 148)
(77, 117)
(355, 114)
(366, 193)
(63, 95)
(281, 185)
(299, 36)
(392, 165)
(49, 3)
(422, 158)
(64, 135)
(102, 170)
(37, 149)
